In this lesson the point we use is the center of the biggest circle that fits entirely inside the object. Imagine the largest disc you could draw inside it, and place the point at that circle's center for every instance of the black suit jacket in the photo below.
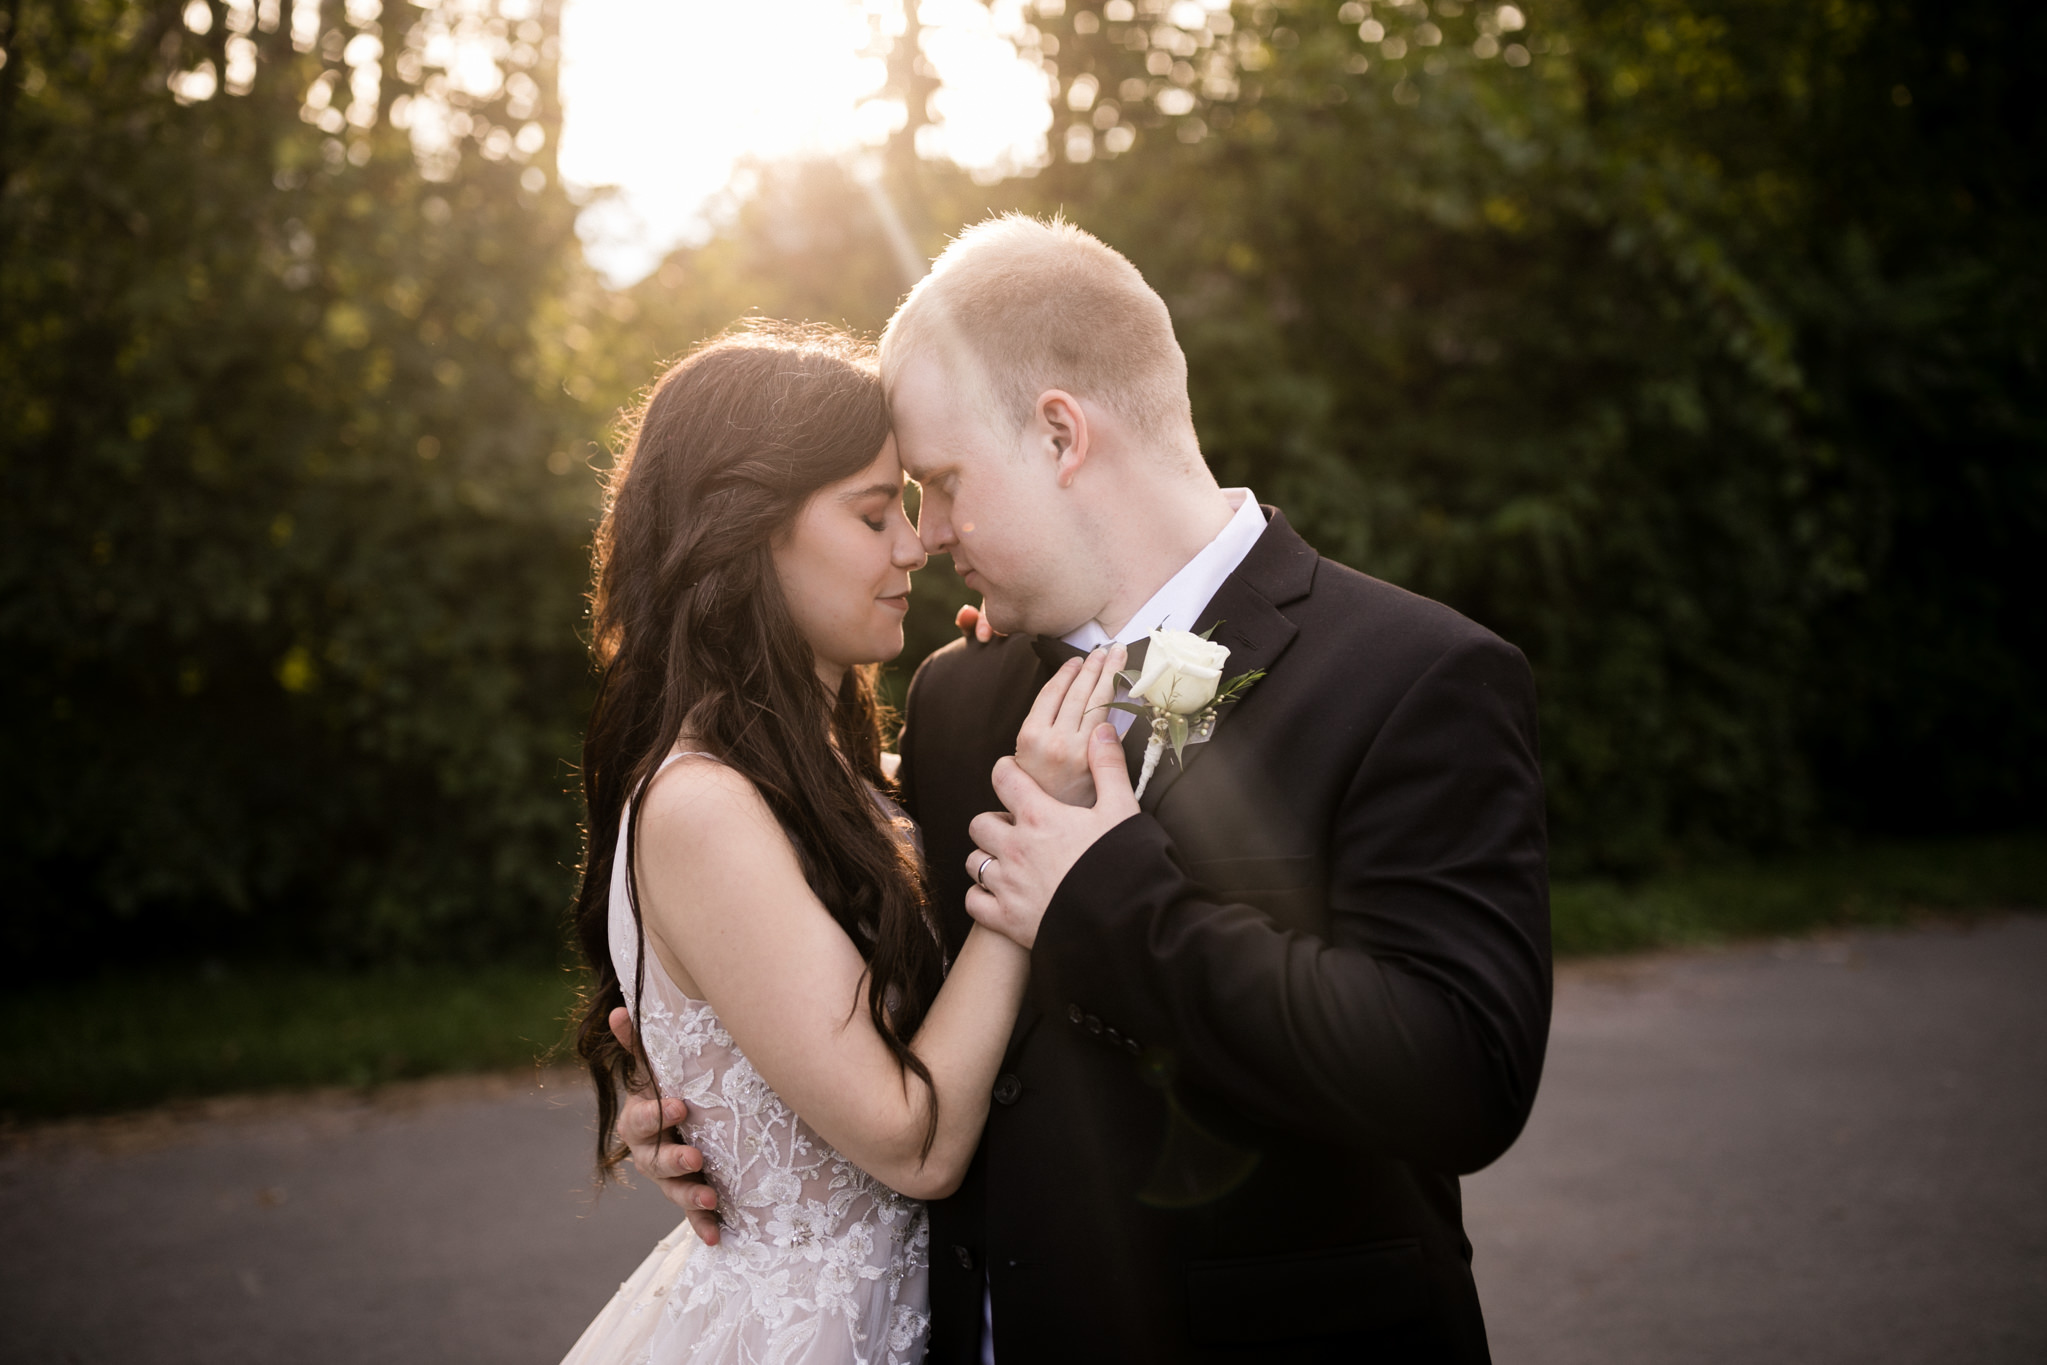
(1273, 1016)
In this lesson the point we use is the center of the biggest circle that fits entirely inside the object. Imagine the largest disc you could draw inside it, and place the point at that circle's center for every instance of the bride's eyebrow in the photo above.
(874, 490)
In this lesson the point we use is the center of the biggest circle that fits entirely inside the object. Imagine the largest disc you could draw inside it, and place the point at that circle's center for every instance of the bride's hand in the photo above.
(973, 621)
(1052, 746)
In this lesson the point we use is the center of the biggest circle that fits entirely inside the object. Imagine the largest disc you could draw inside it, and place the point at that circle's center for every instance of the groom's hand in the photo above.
(676, 1169)
(1021, 857)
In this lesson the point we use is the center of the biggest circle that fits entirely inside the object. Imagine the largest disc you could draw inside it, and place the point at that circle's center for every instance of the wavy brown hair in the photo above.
(691, 635)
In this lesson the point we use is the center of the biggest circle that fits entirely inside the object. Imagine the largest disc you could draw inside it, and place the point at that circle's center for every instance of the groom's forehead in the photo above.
(943, 438)
(946, 389)
(943, 452)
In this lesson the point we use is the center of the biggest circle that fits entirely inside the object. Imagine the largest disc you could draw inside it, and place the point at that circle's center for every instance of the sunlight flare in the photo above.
(665, 98)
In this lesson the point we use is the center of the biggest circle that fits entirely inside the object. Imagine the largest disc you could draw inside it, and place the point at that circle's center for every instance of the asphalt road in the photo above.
(1826, 1152)
(1820, 1152)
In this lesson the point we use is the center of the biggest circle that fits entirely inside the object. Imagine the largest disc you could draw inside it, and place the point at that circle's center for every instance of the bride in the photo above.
(750, 894)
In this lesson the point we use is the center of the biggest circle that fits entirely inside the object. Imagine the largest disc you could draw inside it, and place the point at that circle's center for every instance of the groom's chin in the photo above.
(1004, 618)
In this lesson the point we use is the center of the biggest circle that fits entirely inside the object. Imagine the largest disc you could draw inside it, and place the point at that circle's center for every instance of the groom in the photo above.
(1278, 1005)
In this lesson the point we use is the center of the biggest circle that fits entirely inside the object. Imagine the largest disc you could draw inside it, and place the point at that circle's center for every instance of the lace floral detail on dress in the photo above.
(817, 1261)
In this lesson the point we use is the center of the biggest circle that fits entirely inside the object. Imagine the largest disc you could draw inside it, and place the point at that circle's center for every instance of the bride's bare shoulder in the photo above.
(707, 807)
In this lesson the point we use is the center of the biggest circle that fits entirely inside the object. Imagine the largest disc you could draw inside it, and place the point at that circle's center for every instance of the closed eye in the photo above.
(874, 503)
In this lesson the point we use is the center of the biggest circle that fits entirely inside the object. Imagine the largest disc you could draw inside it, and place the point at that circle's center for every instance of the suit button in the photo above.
(964, 1257)
(1092, 1024)
(1007, 1089)
(1074, 1013)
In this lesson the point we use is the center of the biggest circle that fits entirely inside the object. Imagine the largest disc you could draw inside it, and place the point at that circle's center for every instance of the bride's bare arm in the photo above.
(731, 917)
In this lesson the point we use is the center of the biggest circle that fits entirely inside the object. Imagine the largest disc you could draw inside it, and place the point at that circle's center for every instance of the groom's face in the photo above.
(990, 502)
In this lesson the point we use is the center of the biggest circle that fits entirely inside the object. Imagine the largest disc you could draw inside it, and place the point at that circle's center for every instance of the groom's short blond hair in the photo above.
(1038, 305)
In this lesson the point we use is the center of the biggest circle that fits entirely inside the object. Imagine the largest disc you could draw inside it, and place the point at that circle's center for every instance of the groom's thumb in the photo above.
(1105, 760)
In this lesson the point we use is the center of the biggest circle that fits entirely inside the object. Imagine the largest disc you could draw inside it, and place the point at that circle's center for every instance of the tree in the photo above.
(291, 567)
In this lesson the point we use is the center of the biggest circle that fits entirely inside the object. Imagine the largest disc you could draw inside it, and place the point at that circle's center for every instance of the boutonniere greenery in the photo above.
(1178, 691)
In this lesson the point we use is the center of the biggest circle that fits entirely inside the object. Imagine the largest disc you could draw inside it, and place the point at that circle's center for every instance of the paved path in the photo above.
(446, 1221)
(1833, 1151)
(1827, 1152)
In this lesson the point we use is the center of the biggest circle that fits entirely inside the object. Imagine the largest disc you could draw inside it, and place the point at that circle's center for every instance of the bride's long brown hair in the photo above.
(691, 635)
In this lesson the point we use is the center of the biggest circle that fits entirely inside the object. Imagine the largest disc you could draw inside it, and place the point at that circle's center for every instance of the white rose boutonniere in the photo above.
(1179, 690)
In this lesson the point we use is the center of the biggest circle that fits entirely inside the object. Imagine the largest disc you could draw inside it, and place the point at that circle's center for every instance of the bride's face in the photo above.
(845, 564)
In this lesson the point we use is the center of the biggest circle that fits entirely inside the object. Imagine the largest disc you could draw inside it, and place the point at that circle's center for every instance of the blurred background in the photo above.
(1694, 346)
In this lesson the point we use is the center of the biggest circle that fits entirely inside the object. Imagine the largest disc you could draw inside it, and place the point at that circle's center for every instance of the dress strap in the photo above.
(684, 753)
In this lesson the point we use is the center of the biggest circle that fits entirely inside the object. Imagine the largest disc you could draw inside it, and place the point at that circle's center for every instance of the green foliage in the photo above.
(1874, 886)
(290, 573)
(137, 1038)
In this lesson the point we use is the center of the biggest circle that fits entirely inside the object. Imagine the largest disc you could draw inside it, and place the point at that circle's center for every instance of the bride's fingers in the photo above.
(1105, 686)
(1073, 706)
(973, 621)
(1053, 694)
(1114, 795)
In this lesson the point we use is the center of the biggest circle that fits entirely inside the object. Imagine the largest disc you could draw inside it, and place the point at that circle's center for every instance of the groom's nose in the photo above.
(934, 526)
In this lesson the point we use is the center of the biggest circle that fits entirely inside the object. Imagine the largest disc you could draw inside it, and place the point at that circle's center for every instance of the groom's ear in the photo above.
(1063, 427)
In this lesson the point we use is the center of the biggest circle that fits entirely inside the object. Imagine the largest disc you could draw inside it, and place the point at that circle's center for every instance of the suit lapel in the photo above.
(1256, 634)
(1246, 615)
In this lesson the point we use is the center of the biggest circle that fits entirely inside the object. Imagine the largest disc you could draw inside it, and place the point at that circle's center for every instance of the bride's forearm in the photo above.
(962, 1040)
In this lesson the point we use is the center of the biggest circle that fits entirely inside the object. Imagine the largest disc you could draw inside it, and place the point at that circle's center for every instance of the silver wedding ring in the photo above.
(981, 867)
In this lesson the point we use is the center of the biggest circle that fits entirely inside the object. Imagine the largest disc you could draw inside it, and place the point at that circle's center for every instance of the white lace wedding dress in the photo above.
(818, 1263)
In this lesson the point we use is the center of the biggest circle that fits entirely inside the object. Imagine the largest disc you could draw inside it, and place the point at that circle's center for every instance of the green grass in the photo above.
(134, 1040)
(131, 1040)
(1883, 885)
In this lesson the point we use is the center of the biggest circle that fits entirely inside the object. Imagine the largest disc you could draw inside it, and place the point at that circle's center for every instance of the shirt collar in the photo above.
(1178, 604)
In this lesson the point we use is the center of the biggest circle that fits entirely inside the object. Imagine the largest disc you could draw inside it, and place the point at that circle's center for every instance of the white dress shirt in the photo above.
(1178, 605)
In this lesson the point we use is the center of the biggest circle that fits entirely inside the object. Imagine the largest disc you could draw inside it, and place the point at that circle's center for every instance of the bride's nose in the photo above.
(909, 553)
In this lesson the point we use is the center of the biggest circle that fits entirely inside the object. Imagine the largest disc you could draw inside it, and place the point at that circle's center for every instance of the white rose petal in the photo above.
(1181, 672)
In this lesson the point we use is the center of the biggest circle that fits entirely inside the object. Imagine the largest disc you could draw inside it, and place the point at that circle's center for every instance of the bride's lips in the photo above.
(901, 601)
